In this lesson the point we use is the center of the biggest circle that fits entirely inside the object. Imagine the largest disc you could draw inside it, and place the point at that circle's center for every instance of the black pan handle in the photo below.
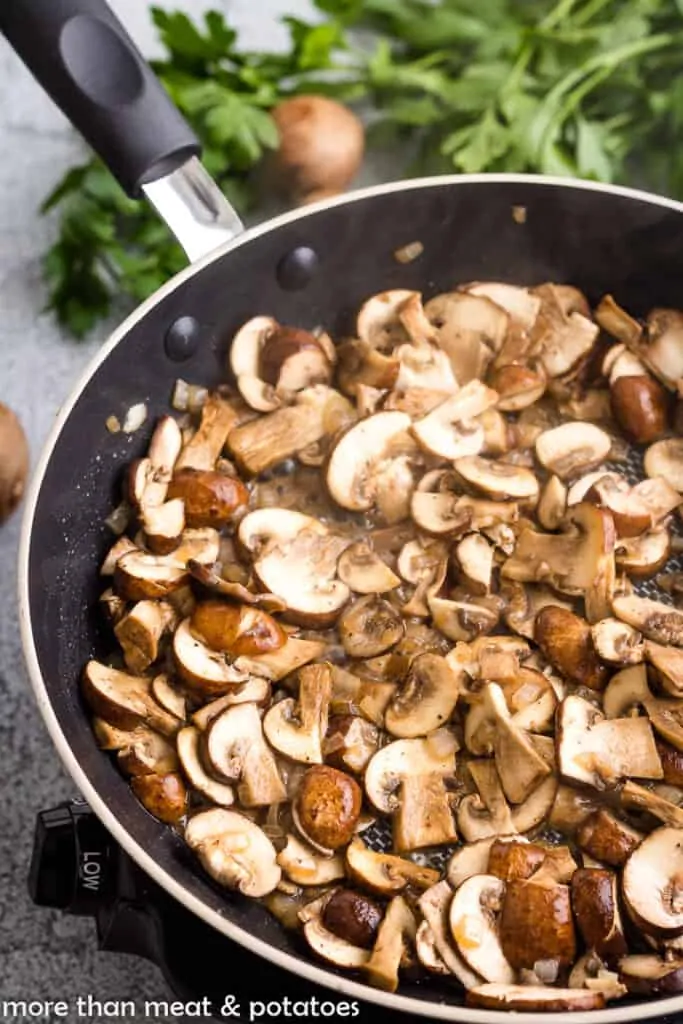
(90, 67)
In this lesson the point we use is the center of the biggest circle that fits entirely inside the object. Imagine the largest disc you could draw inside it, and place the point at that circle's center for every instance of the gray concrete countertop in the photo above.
(45, 955)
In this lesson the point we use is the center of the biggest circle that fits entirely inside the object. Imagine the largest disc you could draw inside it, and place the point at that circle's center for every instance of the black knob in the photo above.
(72, 860)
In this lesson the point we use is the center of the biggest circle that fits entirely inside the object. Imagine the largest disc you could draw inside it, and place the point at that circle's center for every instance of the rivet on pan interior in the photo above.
(182, 339)
(295, 270)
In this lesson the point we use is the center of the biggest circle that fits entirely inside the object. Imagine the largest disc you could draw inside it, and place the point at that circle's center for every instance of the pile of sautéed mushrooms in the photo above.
(387, 586)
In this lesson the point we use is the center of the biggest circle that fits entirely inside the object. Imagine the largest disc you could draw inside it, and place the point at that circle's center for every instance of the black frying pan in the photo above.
(311, 267)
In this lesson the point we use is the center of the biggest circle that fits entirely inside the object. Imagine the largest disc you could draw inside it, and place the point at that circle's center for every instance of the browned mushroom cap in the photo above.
(451, 430)
(533, 997)
(292, 359)
(236, 629)
(425, 699)
(364, 572)
(295, 557)
(200, 667)
(595, 903)
(513, 858)
(209, 498)
(640, 406)
(598, 751)
(296, 728)
(654, 619)
(647, 974)
(236, 751)
(651, 883)
(608, 839)
(370, 626)
(567, 643)
(327, 807)
(474, 923)
(536, 923)
(523, 602)
(572, 448)
(125, 701)
(361, 455)
(234, 851)
(384, 873)
(164, 796)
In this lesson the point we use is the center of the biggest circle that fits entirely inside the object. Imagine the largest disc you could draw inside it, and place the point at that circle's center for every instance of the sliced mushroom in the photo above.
(278, 664)
(665, 459)
(370, 626)
(520, 768)
(331, 948)
(140, 632)
(661, 352)
(163, 795)
(202, 451)
(640, 405)
(536, 923)
(595, 903)
(327, 807)
(426, 698)
(572, 448)
(139, 576)
(638, 798)
(461, 620)
(384, 873)
(147, 753)
(470, 329)
(518, 386)
(533, 997)
(295, 557)
(599, 751)
(434, 905)
(666, 717)
(654, 619)
(570, 809)
(608, 839)
(236, 629)
(651, 883)
(352, 916)
(473, 920)
(360, 455)
(646, 974)
(396, 933)
(209, 498)
(219, 793)
(350, 742)
(422, 366)
(364, 572)
(362, 367)
(642, 557)
(234, 851)
(567, 643)
(667, 666)
(513, 858)
(485, 813)
(617, 643)
(523, 604)
(626, 689)
(617, 322)
(590, 972)
(254, 691)
(304, 866)
(427, 952)
(164, 525)
(122, 546)
(451, 431)
(498, 480)
(125, 701)
(379, 322)
(424, 817)
(552, 504)
(296, 728)
(214, 582)
(292, 359)
(235, 748)
(201, 668)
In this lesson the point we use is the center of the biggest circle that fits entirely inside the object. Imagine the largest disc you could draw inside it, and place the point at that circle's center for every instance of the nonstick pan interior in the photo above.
(471, 229)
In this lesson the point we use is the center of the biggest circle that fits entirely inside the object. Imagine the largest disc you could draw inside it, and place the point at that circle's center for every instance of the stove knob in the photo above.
(72, 860)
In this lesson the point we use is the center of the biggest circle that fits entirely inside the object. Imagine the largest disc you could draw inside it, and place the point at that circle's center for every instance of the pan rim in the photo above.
(312, 973)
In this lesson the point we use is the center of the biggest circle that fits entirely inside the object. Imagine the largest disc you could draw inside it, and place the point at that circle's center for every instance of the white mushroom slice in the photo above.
(487, 813)
(296, 728)
(647, 974)
(552, 503)
(473, 920)
(360, 454)
(638, 798)
(331, 948)
(170, 698)
(395, 936)
(667, 664)
(452, 431)
(537, 806)
(425, 699)
(624, 364)
(565, 344)
(203, 449)
(277, 664)
(364, 572)
(304, 866)
(202, 668)
(521, 304)
(666, 717)
(255, 691)
(520, 768)
(412, 315)
(469, 860)
(434, 906)
(572, 448)
(219, 793)
(534, 997)
(461, 620)
(425, 814)
(424, 367)
(295, 558)
(246, 346)
(626, 690)
(197, 545)
(665, 459)
(234, 851)
(617, 642)
(258, 395)
(237, 751)
(617, 322)
(497, 479)
(580, 488)
(598, 751)
(662, 352)
(140, 632)
(164, 525)
(427, 952)
(379, 323)
(138, 576)
(642, 557)
(657, 621)
(392, 764)
(147, 753)
(651, 883)
(125, 701)
(369, 627)
(469, 329)
(475, 559)
(384, 873)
